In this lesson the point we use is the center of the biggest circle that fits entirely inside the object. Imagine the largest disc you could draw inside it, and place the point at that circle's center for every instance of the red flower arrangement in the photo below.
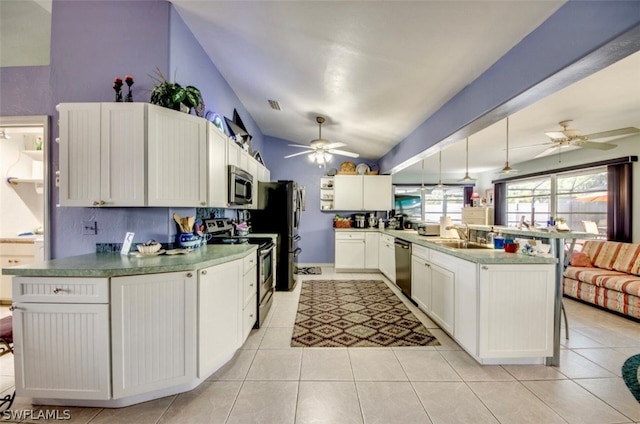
(129, 80)
(117, 86)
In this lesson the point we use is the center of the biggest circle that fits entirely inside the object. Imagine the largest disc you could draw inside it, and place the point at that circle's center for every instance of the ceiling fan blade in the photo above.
(548, 152)
(343, 153)
(300, 145)
(598, 146)
(555, 134)
(549, 143)
(306, 152)
(614, 133)
(335, 145)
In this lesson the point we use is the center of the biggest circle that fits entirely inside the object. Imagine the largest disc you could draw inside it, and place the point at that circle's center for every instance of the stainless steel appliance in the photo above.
(403, 266)
(266, 251)
(240, 186)
(280, 209)
(358, 220)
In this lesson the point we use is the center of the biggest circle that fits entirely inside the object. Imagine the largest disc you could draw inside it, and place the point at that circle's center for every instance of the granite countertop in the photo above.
(114, 264)
(483, 256)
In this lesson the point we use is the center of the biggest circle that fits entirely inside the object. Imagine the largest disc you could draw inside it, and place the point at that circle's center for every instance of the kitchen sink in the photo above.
(460, 244)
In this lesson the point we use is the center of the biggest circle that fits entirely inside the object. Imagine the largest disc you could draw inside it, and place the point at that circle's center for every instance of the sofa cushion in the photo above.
(588, 275)
(581, 259)
(607, 254)
(628, 259)
(625, 283)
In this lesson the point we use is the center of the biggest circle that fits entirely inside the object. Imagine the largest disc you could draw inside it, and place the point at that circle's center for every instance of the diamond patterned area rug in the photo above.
(355, 313)
(308, 270)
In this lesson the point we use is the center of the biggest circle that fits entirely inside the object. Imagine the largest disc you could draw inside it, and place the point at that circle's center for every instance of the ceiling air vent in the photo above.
(274, 104)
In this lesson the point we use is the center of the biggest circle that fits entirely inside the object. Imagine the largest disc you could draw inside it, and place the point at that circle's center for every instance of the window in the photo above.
(582, 200)
(437, 202)
(529, 201)
(578, 197)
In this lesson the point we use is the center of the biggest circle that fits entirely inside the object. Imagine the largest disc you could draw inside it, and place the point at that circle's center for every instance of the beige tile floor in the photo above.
(269, 382)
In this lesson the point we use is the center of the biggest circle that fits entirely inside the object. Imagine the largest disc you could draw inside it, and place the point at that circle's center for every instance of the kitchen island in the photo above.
(498, 306)
(108, 330)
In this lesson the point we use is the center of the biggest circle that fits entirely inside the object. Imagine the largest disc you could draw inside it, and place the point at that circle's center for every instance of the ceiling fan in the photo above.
(321, 150)
(571, 137)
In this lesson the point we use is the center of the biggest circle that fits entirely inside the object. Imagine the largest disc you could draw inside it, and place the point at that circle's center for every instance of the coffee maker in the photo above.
(359, 220)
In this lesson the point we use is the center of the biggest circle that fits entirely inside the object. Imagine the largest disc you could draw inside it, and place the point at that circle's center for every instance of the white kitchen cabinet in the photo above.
(516, 311)
(421, 282)
(102, 154)
(387, 258)
(13, 254)
(372, 250)
(442, 297)
(234, 152)
(350, 251)
(61, 338)
(219, 315)
(153, 332)
(466, 306)
(177, 158)
(347, 192)
(477, 216)
(264, 175)
(377, 193)
(362, 192)
(218, 172)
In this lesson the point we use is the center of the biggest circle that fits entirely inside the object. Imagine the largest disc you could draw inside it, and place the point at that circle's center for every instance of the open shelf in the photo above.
(38, 183)
(34, 154)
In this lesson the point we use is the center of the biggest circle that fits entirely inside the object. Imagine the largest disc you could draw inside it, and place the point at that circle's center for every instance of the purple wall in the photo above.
(315, 226)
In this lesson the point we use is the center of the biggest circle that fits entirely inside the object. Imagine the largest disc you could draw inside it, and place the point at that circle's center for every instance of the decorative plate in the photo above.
(331, 172)
(347, 167)
(362, 168)
(217, 120)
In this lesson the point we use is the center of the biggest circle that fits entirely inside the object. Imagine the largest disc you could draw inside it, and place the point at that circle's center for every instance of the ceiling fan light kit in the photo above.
(321, 150)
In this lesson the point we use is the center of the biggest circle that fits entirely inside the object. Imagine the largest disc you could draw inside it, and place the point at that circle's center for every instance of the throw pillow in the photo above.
(581, 259)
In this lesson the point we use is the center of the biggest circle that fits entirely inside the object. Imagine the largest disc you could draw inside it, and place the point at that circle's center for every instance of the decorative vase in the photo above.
(118, 96)
(129, 96)
(188, 240)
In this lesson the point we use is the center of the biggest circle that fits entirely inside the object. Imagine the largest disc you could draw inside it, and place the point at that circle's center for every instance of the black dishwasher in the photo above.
(403, 266)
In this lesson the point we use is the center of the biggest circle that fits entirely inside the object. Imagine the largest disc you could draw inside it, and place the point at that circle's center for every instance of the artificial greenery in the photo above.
(171, 94)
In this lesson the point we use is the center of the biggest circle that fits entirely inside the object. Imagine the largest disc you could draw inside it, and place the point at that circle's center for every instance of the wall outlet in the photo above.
(89, 227)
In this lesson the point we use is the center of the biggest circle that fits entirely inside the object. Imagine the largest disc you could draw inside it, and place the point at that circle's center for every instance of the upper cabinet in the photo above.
(177, 155)
(139, 154)
(102, 154)
(362, 192)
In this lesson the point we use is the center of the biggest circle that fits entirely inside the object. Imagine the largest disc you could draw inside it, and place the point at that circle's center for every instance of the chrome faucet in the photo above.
(463, 234)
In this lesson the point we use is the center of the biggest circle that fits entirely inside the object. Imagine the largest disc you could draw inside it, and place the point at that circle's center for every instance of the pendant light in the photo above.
(440, 185)
(467, 178)
(507, 169)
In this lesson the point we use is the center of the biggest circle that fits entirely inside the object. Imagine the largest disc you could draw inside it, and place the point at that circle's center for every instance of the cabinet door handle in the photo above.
(204, 272)
(96, 203)
(486, 268)
(251, 285)
(102, 203)
(426, 264)
(189, 275)
(13, 307)
(58, 290)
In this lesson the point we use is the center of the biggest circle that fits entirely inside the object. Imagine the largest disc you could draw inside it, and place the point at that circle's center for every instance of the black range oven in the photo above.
(265, 277)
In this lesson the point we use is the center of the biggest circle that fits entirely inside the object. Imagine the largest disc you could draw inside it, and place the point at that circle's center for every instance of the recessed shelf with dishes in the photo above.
(326, 193)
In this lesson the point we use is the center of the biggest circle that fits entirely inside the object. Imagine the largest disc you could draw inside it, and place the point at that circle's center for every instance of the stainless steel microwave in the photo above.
(240, 186)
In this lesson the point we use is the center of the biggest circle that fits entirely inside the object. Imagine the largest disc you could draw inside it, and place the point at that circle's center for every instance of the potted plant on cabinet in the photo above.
(174, 96)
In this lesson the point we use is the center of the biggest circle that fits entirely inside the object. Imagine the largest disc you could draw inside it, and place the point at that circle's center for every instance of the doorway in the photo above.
(24, 189)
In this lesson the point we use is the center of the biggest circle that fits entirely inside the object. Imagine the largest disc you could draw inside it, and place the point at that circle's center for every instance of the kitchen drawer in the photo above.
(349, 235)
(388, 239)
(420, 251)
(60, 290)
(249, 285)
(249, 315)
(443, 259)
(16, 249)
(249, 261)
(474, 213)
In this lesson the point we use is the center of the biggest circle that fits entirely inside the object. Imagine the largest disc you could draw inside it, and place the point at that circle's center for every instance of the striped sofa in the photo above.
(611, 280)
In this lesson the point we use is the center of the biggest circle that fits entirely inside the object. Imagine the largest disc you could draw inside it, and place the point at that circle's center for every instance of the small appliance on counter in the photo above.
(372, 220)
(358, 220)
(429, 229)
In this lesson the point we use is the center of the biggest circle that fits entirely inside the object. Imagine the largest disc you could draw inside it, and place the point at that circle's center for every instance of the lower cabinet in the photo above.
(350, 252)
(372, 254)
(153, 331)
(387, 257)
(13, 254)
(61, 338)
(219, 315)
(249, 295)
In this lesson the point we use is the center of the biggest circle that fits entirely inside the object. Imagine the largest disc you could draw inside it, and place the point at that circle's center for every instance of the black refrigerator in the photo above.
(279, 210)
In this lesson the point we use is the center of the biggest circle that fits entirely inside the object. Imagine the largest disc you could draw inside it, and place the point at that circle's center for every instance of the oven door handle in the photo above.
(296, 238)
(268, 248)
(297, 252)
